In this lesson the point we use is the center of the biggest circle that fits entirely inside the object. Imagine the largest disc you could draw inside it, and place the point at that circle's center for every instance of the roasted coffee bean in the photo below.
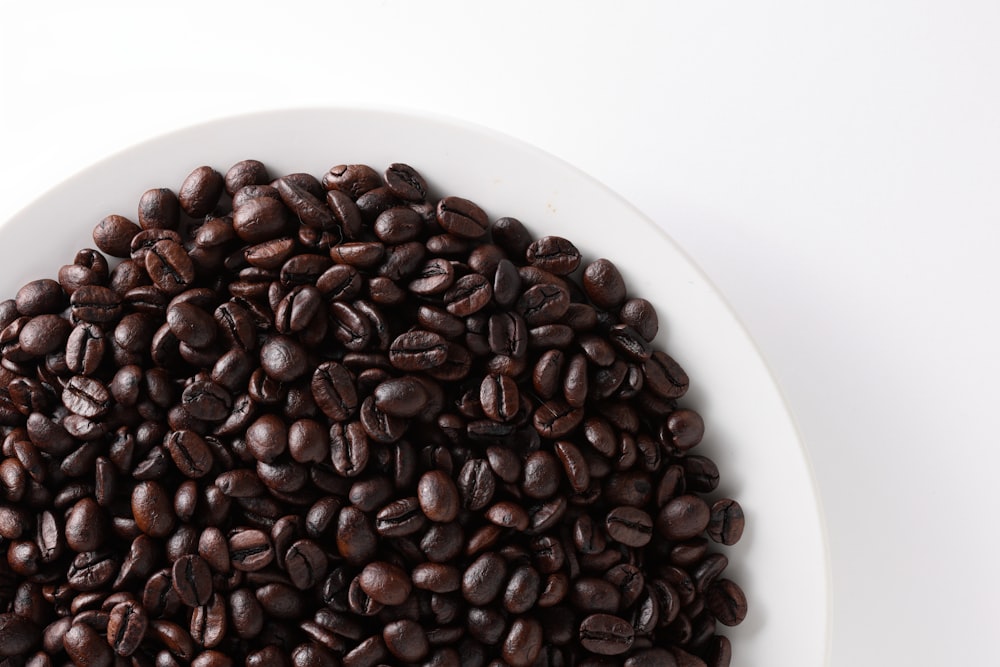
(244, 173)
(726, 521)
(476, 484)
(605, 634)
(306, 564)
(554, 254)
(462, 218)
(192, 580)
(170, 267)
(127, 625)
(85, 646)
(113, 235)
(200, 192)
(683, 517)
(159, 209)
(85, 526)
(385, 583)
(250, 550)
(629, 526)
(726, 601)
(306, 206)
(438, 496)
(417, 351)
(484, 579)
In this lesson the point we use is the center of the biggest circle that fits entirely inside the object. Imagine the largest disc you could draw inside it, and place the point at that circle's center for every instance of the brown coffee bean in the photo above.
(462, 217)
(438, 496)
(127, 625)
(200, 192)
(385, 583)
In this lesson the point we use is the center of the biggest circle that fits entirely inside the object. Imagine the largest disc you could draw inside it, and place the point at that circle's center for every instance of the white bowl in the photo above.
(781, 562)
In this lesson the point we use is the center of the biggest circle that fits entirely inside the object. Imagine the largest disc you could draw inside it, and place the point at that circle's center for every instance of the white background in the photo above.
(833, 167)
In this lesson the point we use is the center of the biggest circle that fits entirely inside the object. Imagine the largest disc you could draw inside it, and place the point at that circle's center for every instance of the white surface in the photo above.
(833, 167)
(749, 431)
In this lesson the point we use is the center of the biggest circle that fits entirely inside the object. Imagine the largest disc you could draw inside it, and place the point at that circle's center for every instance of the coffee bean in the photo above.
(307, 207)
(152, 509)
(462, 217)
(169, 267)
(385, 583)
(417, 350)
(200, 192)
(726, 602)
(683, 517)
(629, 526)
(250, 550)
(245, 173)
(85, 526)
(554, 254)
(605, 634)
(85, 646)
(438, 496)
(192, 580)
(113, 235)
(484, 578)
(726, 522)
(406, 640)
(306, 564)
(245, 613)
(476, 484)
(127, 625)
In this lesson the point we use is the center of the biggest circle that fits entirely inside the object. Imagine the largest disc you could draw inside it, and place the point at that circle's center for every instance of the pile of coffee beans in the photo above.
(341, 422)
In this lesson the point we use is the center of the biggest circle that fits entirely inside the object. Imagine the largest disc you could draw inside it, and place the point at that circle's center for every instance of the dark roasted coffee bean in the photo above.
(44, 334)
(469, 295)
(629, 526)
(170, 267)
(192, 580)
(605, 634)
(190, 454)
(159, 208)
(245, 613)
(726, 521)
(523, 590)
(477, 485)
(353, 179)
(385, 583)
(406, 640)
(260, 219)
(127, 625)
(499, 397)
(113, 235)
(438, 496)
(200, 192)
(398, 225)
(152, 509)
(85, 646)
(306, 206)
(640, 315)
(554, 254)
(250, 550)
(85, 526)
(726, 601)
(418, 350)
(683, 517)
(462, 217)
(484, 579)
(404, 182)
(306, 564)
(604, 284)
(556, 419)
(682, 430)
(244, 173)
(401, 397)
